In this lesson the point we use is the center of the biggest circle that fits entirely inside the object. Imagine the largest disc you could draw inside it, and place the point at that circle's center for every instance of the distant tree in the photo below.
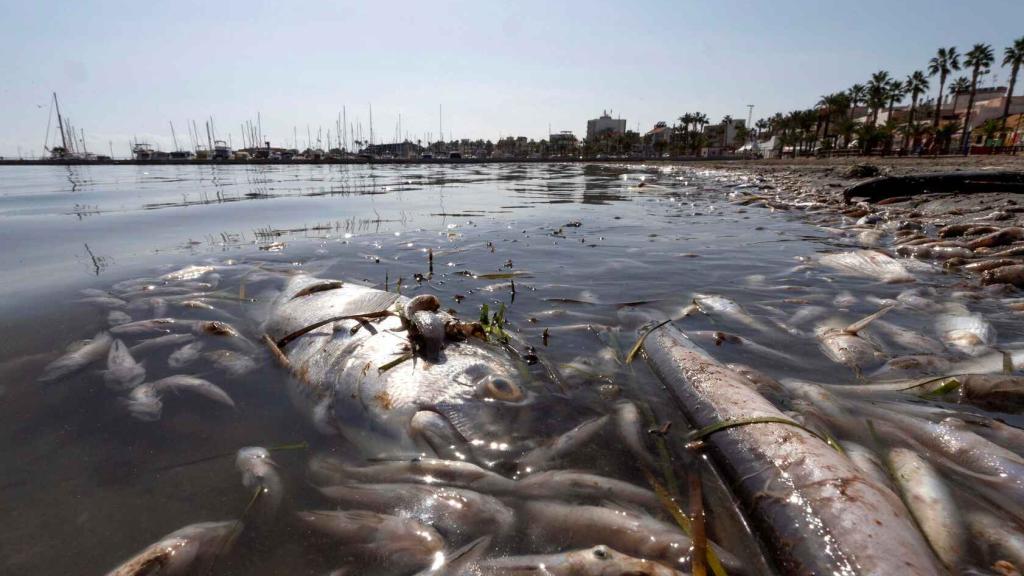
(878, 93)
(857, 93)
(895, 92)
(989, 129)
(944, 136)
(945, 61)
(979, 60)
(1013, 56)
(916, 85)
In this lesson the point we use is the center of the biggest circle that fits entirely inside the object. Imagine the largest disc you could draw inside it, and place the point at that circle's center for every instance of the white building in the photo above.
(605, 125)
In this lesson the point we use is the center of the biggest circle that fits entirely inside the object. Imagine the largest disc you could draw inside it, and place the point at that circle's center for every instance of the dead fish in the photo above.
(868, 462)
(453, 511)
(992, 390)
(997, 538)
(907, 339)
(402, 544)
(187, 273)
(105, 302)
(145, 402)
(868, 264)
(157, 306)
(807, 314)
(259, 472)
(990, 264)
(79, 358)
(931, 502)
(1005, 275)
(998, 238)
(844, 299)
(147, 346)
(870, 238)
(233, 363)
(182, 552)
(970, 334)
(117, 317)
(714, 305)
(846, 347)
(196, 304)
(328, 470)
(151, 326)
(123, 372)
(596, 561)
(185, 355)
(719, 338)
(582, 485)
(912, 299)
(549, 453)
(547, 522)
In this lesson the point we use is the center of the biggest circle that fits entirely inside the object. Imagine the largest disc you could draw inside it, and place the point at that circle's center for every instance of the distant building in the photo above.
(562, 143)
(721, 138)
(605, 125)
(395, 150)
(657, 139)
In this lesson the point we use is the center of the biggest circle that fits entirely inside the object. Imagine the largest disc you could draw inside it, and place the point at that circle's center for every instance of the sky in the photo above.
(125, 70)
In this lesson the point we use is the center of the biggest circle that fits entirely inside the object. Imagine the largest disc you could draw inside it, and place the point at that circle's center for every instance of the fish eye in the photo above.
(601, 553)
(501, 388)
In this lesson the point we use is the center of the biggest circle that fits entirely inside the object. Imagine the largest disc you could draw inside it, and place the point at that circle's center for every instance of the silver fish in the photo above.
(187, 273)
(931, 503)
(123, 372)
(117, 317)
(183, 551)
(456, 512)
(548, 523)
(868, 264)
(401, 544)
(185, 355)
(145, 401)
(79, 358)
(845, 346)
(596, 561)
(549, 453)
(970, 334)
(235, 364)
(259, 472)
(147, 346)
(327, 470)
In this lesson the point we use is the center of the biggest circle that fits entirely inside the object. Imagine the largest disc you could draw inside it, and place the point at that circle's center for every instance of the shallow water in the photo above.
(592, 252)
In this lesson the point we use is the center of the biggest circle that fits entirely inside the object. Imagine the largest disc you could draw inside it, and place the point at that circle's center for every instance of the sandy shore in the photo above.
(980, 234)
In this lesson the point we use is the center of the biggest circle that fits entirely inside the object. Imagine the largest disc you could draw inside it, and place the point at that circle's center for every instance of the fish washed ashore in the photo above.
(565, 369)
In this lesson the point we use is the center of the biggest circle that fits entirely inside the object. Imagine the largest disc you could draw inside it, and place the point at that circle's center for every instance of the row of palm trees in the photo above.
(803, 129)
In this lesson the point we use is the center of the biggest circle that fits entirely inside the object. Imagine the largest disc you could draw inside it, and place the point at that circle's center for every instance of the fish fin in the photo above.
(863, 322)
(459, 561)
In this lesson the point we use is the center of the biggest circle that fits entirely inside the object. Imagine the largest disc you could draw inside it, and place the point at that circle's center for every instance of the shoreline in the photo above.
(977, 234)
(731, 162)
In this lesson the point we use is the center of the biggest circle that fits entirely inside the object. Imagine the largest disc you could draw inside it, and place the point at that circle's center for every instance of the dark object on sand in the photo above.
(961, 182)
(862, 171)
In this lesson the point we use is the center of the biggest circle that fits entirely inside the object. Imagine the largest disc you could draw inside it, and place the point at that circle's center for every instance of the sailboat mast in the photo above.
(60, 122)
(174, 136)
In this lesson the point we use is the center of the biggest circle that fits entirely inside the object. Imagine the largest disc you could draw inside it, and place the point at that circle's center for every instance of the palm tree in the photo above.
(945, 61)
(979, 60)
(959, 86)
(895, 93)
(1013, 57)
(877, 93)
(856, 93)
(832, 104)
(916, 85)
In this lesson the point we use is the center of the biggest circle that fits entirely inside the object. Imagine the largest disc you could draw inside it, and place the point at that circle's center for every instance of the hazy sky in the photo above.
(124, 69)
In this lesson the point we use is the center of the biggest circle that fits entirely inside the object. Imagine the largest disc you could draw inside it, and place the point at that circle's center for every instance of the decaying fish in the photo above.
(931, 502)
(458, 513)
(123, 372)
(78, 357)
(845, 346)
(189, 550)
(868, 264)
(971, 334)
(402, 544)
(596, 561)
(793, 486)
(145, 402)
(259, 473)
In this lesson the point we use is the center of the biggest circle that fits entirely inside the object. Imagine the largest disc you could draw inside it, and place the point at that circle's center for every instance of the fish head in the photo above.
(493, 406)
(605, 561)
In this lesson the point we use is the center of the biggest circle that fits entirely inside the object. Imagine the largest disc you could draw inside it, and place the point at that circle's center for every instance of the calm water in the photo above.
(595, 255)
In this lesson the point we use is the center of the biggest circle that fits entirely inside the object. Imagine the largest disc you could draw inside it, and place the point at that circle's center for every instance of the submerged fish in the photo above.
(971, 333)
(456, 512)
(185, 355)
(845, 346)
(402, 544)
(868, 264)
(78, 358)
(259, 472)
(596, 561)
(123, 372)
(145, 402)
(189, 550)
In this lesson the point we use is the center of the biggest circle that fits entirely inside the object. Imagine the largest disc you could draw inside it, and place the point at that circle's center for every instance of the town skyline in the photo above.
(504, 72)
